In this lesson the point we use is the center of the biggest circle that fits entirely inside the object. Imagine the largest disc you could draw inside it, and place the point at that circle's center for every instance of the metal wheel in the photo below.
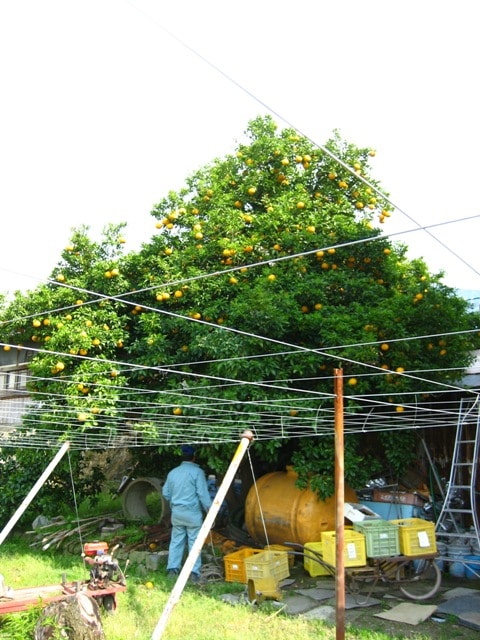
(108, 603)
(419, 580)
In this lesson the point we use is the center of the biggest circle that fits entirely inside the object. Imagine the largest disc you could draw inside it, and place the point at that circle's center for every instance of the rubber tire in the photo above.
(432, 583)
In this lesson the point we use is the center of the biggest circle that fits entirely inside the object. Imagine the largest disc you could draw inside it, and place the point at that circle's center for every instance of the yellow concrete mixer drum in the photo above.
(290, 514)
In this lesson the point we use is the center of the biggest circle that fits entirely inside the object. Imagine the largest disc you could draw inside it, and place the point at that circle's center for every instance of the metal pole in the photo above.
(33, 492)
(339, 506)
(434, 470)
(177, 590)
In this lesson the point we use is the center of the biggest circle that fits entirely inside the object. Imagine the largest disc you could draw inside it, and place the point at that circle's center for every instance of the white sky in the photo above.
(103, 110)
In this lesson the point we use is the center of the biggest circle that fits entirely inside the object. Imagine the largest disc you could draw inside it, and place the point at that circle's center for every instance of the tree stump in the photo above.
(75, 618)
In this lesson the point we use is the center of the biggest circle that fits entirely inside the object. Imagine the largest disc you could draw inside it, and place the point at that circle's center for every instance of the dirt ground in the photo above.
(390, 596)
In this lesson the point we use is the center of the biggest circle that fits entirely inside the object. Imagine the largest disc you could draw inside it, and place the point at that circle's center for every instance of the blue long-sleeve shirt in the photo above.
(186, 491)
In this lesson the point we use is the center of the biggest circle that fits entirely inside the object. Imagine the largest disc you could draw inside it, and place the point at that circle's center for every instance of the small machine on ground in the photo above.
(105, 581)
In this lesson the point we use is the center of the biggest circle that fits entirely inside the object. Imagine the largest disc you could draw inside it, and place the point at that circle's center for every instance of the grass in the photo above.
(200, 614)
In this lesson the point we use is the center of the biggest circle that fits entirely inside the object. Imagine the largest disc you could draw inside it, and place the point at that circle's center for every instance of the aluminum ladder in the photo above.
(460, 506)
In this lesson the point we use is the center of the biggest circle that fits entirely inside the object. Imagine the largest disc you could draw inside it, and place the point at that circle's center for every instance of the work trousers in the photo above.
(181, 537)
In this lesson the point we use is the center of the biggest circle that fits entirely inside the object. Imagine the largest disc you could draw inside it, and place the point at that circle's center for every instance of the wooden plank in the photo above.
(24, 598)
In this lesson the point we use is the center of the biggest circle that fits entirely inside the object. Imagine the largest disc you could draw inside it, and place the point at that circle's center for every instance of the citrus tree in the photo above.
(264, 273)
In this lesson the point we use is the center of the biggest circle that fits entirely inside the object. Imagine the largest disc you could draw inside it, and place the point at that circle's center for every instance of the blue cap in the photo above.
(188, 450)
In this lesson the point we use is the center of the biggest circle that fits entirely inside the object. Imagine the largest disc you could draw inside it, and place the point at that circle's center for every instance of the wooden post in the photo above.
(177, 590)
(339, 506)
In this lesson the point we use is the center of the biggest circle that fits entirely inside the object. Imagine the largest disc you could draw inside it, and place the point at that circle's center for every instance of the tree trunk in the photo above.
(75, 618)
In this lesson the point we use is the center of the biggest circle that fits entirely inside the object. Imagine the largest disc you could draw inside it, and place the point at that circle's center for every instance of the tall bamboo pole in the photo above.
(177, 590)
(33, 492)
(339, 507)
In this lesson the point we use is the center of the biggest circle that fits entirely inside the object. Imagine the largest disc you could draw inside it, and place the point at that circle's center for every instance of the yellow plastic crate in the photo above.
(417, 536)
(267, 564)
(354, 548)
(310, 564)
(282, 547)
(235, 564)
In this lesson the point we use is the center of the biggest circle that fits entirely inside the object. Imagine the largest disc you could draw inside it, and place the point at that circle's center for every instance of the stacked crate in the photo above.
(381, 537)
(417, 536)
(354, 548)
(235, 564)
(264, 572)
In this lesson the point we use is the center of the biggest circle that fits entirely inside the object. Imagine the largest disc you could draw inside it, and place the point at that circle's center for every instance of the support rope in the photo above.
(77, 515)
(258, 499)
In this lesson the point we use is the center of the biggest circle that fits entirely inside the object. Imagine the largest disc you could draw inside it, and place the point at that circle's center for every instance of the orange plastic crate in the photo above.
(235, 564)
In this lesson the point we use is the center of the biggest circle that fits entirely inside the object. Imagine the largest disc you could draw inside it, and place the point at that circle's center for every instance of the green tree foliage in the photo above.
(269, 267)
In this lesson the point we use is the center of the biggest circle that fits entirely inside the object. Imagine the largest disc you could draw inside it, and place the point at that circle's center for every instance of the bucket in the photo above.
(472, 568)
(457, 565)
(475, 545)
(442, 552)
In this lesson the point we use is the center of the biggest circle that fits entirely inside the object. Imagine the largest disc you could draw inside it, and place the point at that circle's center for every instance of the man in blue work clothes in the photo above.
(186, 491)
